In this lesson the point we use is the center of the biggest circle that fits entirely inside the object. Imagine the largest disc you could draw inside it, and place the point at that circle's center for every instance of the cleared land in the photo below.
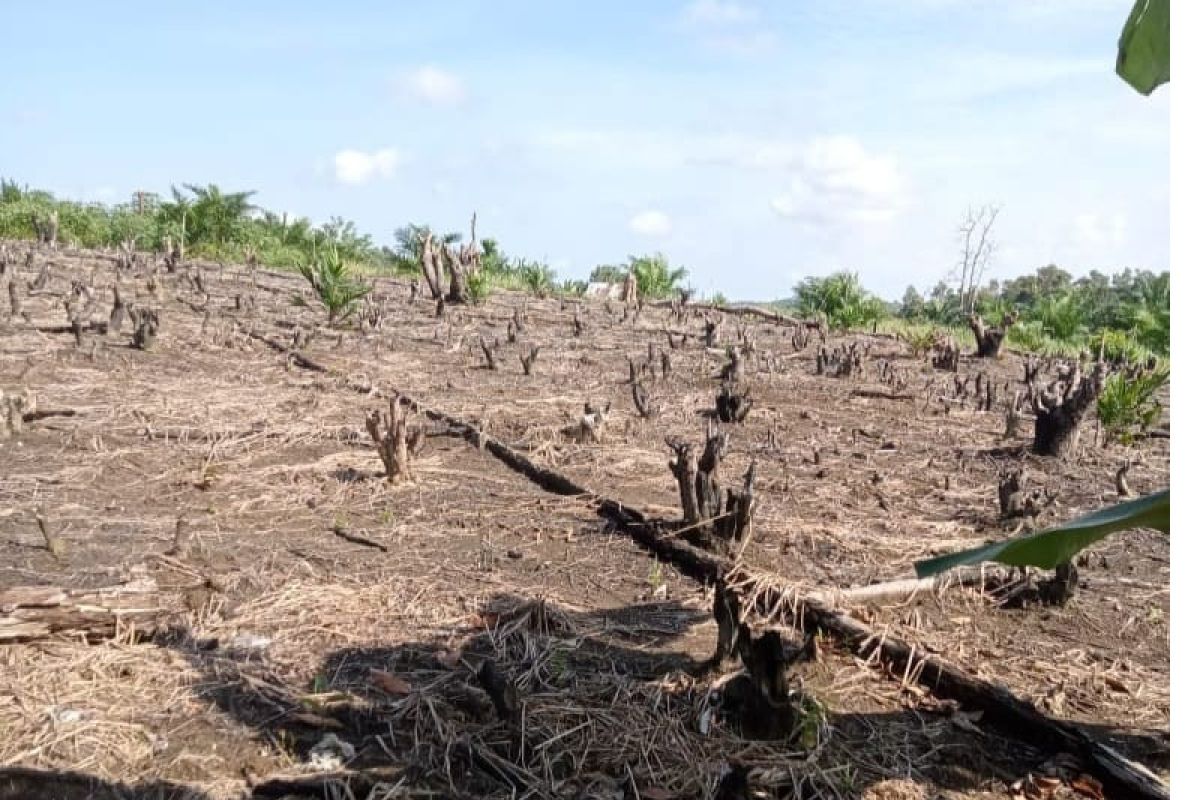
(305, 596)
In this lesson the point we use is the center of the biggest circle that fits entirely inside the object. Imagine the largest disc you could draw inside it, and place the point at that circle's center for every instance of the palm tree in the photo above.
(655, 278)
(216, 216)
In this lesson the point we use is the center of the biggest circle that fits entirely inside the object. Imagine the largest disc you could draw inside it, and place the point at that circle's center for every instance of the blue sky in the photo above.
(754, 143)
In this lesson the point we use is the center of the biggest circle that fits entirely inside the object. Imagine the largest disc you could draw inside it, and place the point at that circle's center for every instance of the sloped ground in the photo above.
(285, 620)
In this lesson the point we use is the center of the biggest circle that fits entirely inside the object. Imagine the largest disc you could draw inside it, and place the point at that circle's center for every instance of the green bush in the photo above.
(1032, 337)
(330, 277)
(479, 287)
(1127, 405)
(574, 288)
(840, 299)
(1118, 347)
(1062, 316)
(655, 277)
(536, 278)
(920, 338)
(608, 273)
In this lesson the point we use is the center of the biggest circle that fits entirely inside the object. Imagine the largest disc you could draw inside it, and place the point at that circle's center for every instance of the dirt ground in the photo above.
(283, 634)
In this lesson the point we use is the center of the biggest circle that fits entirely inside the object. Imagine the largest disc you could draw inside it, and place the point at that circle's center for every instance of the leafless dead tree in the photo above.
(978, 246)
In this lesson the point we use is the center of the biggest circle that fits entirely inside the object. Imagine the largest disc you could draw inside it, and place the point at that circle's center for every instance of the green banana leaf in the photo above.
(1144, 51)
(1051, 547)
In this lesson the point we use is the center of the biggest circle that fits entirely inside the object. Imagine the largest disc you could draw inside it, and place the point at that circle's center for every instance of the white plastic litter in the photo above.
(330, 754)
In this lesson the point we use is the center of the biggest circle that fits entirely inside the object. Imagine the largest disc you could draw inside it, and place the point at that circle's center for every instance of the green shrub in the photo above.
(536, 278)
(573, 288)
(1127, 405)
(331, 279)
(655, 277)
(1032, 337)
(1062, 316)
(1118, 347)
(920, 338)
(479, 286)
(840, 299)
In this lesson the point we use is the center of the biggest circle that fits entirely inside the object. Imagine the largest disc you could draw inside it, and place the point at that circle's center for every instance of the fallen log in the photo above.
(298, 358)
(752, 311)
(903, 589)
(28, 613)
(879, 394)
(778, 600)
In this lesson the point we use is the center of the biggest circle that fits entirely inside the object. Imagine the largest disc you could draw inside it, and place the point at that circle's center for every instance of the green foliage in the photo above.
(215, 217)
(535, 277)
(1144, 50)
(920, 338)
(1061, 316)
(331, 279)
(479, 286)
(1031, 336)
(1127, 405)
(912, 305)
(840, 299)
(406, 257)
(655, 277)
(719, 300)
(1049, 548)
(574, 288)
(1143, 60)
(608, 273)
(1118, 347)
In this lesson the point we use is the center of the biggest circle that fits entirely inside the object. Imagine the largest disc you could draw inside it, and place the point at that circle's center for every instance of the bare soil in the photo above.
(285, 633)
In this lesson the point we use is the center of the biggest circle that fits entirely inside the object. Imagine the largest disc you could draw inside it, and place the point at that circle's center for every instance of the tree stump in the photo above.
(734, 370)
(394, 441)
(491, 353)
(119, 311)
(713, 518)
(529, 358)
(946, 353)
(1016, 499)
(646, 406)
(1060, 408)
(146, 330)
(629, 289)
(733, 404)
(989, 341)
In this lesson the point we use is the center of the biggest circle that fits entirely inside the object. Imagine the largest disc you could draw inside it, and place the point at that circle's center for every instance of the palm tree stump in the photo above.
(1060, 407)
(989, 341)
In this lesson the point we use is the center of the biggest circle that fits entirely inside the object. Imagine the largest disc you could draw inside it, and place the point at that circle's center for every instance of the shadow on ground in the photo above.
(541, 701)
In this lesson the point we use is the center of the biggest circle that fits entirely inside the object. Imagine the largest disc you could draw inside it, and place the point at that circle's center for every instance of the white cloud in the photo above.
(828, 179)
(650, 223)
(355, 167)
(837, 180)
(434, 86)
